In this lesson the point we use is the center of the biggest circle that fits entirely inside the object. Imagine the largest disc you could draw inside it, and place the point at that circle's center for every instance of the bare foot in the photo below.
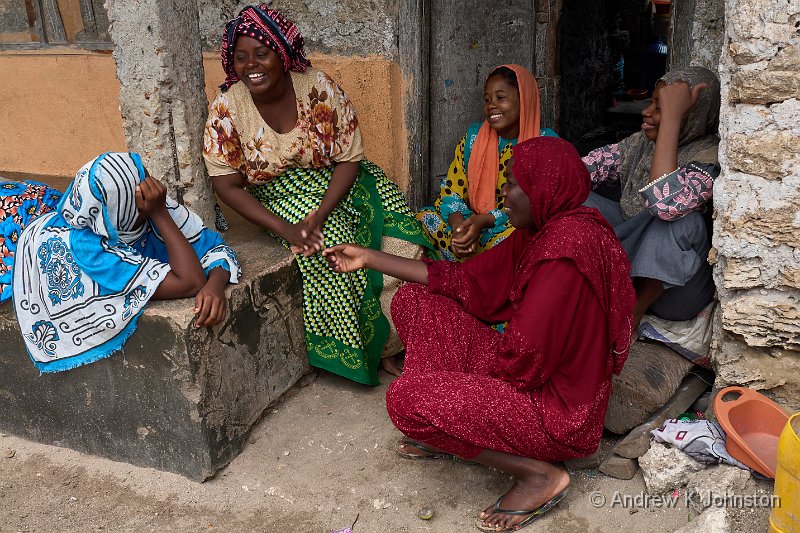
(529, 492)
(410, 447)
(392, 365)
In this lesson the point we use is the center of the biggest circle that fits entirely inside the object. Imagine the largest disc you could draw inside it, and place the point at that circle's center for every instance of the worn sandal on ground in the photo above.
(532, 515)
(429, 453)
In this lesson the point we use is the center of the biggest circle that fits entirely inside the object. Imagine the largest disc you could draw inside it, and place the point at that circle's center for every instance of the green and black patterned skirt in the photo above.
(345, 328)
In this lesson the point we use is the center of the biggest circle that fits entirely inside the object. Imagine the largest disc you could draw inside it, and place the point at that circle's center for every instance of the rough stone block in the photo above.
(651, 375)
(712, 521)
(764, 87)
(742, 273)
(787, 58)
(176, 398)
(786, 115)
(769, 155)
(713, 483)
(771, 226)
(768, 20)
(666, 468)
(790, 277)
(748, 52)
(771, 371)
(764, 320)
(619, 467)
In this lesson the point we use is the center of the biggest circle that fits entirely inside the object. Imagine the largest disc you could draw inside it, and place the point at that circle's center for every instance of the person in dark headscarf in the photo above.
(283, 148)
(537, 393)
(666, 173)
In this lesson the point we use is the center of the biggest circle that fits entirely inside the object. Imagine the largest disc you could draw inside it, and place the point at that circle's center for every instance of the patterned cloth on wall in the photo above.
(20, 203)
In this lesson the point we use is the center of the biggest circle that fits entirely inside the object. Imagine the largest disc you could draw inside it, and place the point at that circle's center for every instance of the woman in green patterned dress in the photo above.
(284, 150)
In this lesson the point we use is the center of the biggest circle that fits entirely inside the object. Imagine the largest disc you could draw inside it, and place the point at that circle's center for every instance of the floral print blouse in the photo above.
(671, 196)
(238, 139)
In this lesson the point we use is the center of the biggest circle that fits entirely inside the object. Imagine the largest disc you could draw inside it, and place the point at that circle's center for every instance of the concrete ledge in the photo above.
(177, 398)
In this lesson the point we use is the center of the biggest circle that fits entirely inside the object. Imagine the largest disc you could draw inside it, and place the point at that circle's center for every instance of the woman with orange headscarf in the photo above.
(467, 217)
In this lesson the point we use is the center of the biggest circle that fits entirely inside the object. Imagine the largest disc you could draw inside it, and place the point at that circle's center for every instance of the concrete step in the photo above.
(176, 398)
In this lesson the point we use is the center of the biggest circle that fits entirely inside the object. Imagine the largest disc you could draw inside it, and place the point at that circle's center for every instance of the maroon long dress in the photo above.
(541, 388)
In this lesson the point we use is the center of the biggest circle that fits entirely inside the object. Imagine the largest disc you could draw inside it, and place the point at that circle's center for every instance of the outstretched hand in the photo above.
(346, 257)
(306, 237)
(678, 99)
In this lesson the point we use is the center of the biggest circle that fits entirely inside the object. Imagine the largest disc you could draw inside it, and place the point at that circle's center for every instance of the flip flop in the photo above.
(429, 453)
(532, 515)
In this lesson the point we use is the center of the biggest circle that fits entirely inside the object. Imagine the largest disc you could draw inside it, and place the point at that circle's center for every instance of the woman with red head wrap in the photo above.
(284, 149)
(537, 393)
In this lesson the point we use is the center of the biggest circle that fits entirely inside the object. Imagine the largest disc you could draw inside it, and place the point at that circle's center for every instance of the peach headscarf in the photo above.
(485, 159)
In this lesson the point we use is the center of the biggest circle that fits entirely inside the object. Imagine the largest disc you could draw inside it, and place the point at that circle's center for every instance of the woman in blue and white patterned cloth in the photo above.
(84, 272)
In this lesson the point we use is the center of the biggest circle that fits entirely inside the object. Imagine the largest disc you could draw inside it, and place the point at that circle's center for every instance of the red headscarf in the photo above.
(272, 29)
(484, 160)
(551, 173)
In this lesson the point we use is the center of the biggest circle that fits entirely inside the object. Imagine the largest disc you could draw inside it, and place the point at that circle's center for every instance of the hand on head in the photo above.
(677, 99)
(346, 257)
(151, 196)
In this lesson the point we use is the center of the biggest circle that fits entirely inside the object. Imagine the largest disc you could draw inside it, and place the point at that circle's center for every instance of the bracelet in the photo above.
(661, 177)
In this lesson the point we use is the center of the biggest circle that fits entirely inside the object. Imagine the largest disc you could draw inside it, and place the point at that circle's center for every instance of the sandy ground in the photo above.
(320, 458)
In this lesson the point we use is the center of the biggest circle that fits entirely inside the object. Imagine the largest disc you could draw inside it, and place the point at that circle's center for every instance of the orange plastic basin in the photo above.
(753, 425)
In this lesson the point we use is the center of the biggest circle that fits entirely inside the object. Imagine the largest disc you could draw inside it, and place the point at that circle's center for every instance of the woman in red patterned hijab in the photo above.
(272, 29)
(537, 393)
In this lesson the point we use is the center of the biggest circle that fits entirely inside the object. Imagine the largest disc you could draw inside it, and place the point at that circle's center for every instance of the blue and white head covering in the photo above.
(84, 273)
(101, 198)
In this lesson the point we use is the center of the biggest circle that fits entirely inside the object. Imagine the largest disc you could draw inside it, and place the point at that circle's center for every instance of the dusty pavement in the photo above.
(322, 456)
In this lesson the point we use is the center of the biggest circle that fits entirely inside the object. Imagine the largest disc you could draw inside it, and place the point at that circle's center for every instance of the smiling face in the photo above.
(517, 204)
(651, 115)
(501, 106)
(259, 68)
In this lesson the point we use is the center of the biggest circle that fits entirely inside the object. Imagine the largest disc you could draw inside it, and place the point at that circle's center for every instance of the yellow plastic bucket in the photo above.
(785, 516)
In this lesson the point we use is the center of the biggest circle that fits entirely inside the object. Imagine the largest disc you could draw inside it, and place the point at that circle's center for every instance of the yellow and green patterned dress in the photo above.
(345, 314)
(453, 198)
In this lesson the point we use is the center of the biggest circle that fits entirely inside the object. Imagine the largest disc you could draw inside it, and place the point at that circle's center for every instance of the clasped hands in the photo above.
(305, 237)
(467, 232)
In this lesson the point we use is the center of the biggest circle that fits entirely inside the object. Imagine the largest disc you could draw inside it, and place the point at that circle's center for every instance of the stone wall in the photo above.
(757, 201)
(344, 27)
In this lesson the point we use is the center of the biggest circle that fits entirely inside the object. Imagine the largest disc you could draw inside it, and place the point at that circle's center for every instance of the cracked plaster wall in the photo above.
(343, 27)
(757, 201)
(162, 100)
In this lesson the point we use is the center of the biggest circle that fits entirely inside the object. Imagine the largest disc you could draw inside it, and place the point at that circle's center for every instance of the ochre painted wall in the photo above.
(60, 108)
